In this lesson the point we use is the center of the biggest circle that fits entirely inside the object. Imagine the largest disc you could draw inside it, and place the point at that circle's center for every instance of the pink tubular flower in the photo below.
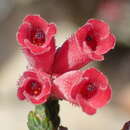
(36, 36)
(89, 43)
(35, 87)
(89, 89)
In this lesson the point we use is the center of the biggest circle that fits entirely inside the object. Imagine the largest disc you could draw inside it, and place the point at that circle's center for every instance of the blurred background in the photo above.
(68, 15)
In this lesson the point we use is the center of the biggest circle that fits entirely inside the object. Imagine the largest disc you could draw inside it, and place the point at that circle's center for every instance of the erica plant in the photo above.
(54, 74)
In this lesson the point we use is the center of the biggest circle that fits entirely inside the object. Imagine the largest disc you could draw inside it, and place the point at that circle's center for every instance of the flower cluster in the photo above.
(55, 72)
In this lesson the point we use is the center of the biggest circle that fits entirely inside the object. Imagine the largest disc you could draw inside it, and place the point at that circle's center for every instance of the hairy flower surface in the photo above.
(88, 89)
(89, 43)
(35, 87)
(54, 73)
(36, 36)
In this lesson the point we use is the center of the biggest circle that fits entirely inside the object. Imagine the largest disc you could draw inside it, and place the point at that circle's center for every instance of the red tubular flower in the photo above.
(35, 87)
(89, 43)
(36, 36)
(89, 89)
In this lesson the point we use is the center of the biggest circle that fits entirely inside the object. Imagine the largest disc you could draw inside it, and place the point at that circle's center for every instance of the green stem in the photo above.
(45, 116)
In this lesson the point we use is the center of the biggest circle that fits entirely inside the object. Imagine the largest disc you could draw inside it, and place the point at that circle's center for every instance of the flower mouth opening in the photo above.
(33, 88)
(37, 37)
(91, 42)
(88, 90)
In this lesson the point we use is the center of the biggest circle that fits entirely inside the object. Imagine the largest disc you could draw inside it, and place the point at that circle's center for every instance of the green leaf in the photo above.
(45, 117)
